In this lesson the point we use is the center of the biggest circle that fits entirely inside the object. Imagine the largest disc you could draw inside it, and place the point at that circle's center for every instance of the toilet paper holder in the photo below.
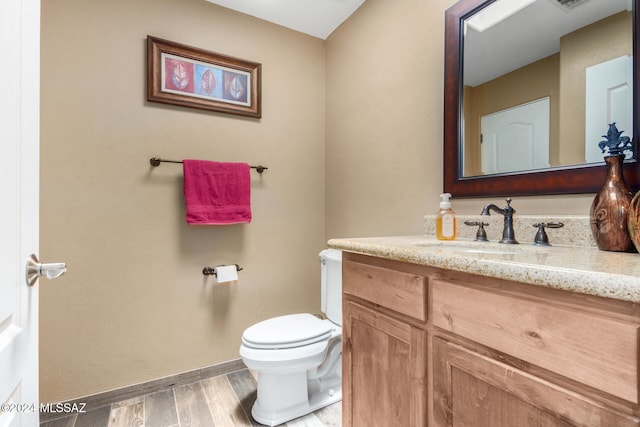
(211, 271)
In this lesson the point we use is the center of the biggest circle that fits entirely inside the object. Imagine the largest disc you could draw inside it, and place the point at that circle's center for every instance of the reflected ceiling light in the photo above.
(496, 12)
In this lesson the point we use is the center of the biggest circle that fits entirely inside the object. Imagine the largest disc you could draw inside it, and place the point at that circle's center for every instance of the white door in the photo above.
(609, 99)
(19, 163)
(516, 139)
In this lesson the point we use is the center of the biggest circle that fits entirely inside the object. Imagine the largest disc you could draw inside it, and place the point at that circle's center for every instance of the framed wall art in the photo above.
(190, 77)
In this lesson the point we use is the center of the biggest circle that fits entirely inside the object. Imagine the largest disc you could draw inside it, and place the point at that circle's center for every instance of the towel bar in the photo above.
(155, 162)
(211, 271)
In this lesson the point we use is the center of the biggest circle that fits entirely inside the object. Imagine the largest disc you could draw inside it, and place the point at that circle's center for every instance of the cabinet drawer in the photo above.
(595, 350)
(399, 291)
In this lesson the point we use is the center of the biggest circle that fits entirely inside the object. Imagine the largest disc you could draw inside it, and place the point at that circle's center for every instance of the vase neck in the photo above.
(614, 167)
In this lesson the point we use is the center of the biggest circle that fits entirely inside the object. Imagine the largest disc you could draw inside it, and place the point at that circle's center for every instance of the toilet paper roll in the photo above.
(226, 273)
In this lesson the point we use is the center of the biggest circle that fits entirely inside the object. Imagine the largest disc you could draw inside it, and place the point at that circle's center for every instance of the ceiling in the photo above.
(318, 18)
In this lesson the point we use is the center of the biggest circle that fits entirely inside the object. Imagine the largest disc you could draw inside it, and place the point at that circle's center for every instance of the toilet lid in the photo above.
(293, 330)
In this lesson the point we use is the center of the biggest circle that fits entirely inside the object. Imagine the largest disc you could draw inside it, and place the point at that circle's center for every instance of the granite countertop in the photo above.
(572, 268)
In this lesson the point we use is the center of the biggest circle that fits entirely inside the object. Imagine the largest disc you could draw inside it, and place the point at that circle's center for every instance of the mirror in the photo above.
(482, 88)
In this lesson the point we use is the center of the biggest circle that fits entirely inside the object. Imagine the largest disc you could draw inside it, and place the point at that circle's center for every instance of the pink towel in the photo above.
(217, 193)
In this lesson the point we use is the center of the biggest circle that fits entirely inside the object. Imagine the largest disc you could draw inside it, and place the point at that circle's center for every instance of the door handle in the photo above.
(35, 269)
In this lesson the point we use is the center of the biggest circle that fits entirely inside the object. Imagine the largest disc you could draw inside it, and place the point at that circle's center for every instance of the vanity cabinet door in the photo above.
(384, 370)
(594, 347)
(471, 389)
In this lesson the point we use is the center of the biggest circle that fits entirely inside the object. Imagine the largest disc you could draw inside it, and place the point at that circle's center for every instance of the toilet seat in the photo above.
(290, 331)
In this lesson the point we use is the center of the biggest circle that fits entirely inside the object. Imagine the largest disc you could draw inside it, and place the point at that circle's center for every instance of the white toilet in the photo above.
(298, 357)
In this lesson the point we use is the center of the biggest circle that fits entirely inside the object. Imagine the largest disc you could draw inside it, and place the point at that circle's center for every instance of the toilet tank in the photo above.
(331, 284)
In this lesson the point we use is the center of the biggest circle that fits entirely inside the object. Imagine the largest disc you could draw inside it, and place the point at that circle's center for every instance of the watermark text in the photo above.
(51, 408)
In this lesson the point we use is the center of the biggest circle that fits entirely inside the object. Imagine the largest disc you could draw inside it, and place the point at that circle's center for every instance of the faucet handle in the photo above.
(481, 234)
(541, 238)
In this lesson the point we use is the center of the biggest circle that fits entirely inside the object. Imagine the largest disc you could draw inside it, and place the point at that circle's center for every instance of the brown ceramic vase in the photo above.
(610, 210)
(634, 220)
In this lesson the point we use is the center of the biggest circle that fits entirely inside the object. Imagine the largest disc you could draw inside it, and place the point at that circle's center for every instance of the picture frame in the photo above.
(183, 75)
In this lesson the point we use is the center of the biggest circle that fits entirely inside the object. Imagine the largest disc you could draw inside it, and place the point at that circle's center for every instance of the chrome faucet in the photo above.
(508, 235)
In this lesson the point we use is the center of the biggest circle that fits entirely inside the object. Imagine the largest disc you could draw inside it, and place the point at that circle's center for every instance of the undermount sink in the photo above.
(476, 247)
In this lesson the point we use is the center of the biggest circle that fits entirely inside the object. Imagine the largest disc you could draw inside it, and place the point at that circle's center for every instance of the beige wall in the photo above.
(384, 124)
(134, 305)
(384, 118)
(601, 41)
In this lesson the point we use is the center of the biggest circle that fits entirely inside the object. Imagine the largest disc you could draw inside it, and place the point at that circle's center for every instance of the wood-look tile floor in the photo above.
(221, 401)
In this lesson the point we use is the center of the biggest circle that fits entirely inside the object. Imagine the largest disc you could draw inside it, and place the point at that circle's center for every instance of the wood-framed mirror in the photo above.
(555, 179)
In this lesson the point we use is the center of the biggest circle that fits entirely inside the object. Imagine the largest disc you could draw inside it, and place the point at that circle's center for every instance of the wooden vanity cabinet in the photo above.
(384, 358)
(431, 347)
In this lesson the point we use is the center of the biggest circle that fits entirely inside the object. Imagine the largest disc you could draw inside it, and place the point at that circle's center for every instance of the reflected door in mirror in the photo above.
(516, 139)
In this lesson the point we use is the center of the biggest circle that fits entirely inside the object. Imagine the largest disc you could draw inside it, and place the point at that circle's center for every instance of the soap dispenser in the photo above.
(445, 219)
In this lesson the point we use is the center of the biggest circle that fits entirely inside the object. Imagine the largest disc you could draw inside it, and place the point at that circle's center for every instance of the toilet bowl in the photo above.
(298, 357)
